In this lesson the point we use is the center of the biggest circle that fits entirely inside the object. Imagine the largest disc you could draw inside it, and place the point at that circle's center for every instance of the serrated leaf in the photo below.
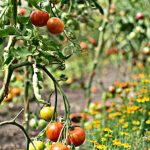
(9, 30)
(47, 56)
(23, 52)
(23, 20)
(35, 3)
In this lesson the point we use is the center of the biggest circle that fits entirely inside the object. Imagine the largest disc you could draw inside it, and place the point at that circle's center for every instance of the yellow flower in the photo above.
(136, 122)
(132, 109)
(107, 130)
(124, 133)
(134, 128)
(103, 147)
(103, 139)
(108, 135)
(143, 100)
(88, 127)
(128, 90)
(121, 120)
(126, 145)
(116, 142)
(148, 121)
(96, 126)
(125, 125)
(94, 142)
(113, 115)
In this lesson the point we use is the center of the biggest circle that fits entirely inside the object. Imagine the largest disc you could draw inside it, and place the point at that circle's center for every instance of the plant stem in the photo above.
(26, 99)
(99, 51)
(5, 89)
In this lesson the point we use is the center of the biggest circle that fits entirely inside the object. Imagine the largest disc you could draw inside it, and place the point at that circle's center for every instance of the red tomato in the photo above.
(39, 18)
(58, 146)
(55, 25)
(21, 12)
(139, 16)
(77, 136)
(53, 131)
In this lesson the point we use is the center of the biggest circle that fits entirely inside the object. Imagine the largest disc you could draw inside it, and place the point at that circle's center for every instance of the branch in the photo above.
(13, 122)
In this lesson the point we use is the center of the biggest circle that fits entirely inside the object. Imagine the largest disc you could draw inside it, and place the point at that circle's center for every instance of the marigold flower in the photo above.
(116, 142)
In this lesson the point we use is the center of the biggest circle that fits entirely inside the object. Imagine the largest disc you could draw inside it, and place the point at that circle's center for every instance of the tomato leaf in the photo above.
(23, 20)
(21, 51)
(35, 3)
(9, 30)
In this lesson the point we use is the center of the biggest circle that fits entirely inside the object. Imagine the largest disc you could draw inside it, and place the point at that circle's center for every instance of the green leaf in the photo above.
(35, 3)
(50, 46)
(21, 51)
(47, 56)
(9, 30)
(23, 20)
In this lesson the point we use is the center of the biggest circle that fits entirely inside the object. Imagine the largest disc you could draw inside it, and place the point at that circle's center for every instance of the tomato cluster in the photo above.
(54, 133)
(41, 18)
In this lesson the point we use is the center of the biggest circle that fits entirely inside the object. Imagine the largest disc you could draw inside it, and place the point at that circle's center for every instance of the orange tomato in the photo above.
(55, 25)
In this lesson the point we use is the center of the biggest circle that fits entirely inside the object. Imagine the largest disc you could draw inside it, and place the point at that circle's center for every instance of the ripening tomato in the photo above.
(77, 136)
(16, 91)
(39, 145)
(83, 45)
(39, 18)
(139, 16)
(92, 40)
(46, 113)
(55, 1)
(8, 98)
(53, 131)
(55, 25)
(21, 12)
(58, 146)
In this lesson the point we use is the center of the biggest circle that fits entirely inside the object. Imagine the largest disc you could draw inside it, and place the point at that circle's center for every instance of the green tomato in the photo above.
(132, 35)
(55, 1)
(33, 123)
(39, 145)
(42, 123)
(46, 113)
